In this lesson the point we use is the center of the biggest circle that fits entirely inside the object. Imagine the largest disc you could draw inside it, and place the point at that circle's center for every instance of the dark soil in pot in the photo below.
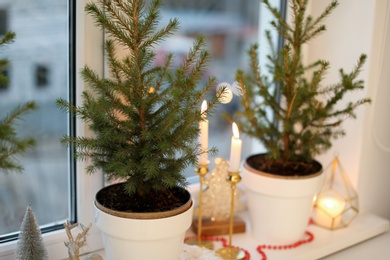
(115, 198)
(282, 168)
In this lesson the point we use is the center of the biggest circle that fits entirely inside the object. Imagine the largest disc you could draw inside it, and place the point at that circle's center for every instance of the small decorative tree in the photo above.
(306, 114)
(30, 244)
(10, 145)
(145, 117)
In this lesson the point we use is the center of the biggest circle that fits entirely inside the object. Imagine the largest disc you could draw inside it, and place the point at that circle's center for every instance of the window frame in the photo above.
(88, 50)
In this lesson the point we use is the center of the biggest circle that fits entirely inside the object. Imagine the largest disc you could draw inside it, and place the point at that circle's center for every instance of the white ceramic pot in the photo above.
(146, 239)
(279, 207)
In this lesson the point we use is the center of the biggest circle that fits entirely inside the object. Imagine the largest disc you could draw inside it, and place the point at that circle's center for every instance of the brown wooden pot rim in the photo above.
(145, 215)
(276, 176)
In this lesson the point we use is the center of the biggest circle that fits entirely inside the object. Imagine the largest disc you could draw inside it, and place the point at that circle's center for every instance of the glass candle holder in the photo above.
(337, 204)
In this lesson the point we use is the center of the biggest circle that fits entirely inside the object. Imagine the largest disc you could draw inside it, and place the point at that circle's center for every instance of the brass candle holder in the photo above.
(229, 252)
(216, 203)
(201, 170)
(337, 203)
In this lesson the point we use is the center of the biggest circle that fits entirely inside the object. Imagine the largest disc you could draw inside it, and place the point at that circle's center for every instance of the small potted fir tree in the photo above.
(295, 117)
(145, 119)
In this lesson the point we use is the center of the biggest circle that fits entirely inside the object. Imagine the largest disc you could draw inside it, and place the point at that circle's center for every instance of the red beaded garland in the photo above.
(260, 248)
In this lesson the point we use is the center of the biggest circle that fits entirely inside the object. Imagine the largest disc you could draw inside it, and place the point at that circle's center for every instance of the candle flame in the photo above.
(236, 133)
(330, 203)
(204, 107)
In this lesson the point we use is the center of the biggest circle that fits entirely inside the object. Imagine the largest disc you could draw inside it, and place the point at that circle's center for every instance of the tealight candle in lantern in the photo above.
(329, 211)
(235, 150)
(203, 135)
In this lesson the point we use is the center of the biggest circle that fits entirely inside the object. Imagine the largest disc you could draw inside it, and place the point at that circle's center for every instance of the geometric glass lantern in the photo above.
(336, 205)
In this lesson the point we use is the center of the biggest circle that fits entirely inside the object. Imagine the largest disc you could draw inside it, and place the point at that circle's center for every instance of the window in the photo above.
(5, 73)
(85, 47)
(229, 28)
(41, 76)
(3, 21)
(41, 29)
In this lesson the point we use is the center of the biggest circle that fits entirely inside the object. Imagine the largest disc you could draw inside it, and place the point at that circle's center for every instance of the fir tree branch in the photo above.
(102, 19)
(115, 67)
(99, 85)
(263, 91)
(17, 112)
(163, 33)
(190, 120)
(10, 145)
(313, 29)
(279, 18)
(254, 129)
(163, 73)
(7, 38)
(192, 68)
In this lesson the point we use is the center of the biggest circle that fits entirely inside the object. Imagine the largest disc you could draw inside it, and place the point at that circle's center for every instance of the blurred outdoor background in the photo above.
(38, 70)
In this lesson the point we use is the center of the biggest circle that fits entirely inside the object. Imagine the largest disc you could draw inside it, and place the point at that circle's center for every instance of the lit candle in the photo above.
(329, 211)
(203, 135)
(235, 150)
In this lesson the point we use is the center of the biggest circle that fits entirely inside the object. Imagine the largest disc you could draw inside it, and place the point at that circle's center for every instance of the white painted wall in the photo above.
(374, 177)
(355, 27)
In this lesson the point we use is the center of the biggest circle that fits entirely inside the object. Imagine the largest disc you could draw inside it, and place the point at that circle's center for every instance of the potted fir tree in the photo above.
(145, 119)
(295, 117)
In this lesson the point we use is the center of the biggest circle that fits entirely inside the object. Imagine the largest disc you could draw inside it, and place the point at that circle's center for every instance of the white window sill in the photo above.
(333, 245)
(340, 244)
(326, 242)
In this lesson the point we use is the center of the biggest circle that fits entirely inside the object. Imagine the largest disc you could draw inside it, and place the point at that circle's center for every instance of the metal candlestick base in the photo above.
(201, 170)
(231, 253)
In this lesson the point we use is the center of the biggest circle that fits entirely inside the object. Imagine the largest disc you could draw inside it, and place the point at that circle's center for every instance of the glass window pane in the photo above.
(38, 70)
(230, 27)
